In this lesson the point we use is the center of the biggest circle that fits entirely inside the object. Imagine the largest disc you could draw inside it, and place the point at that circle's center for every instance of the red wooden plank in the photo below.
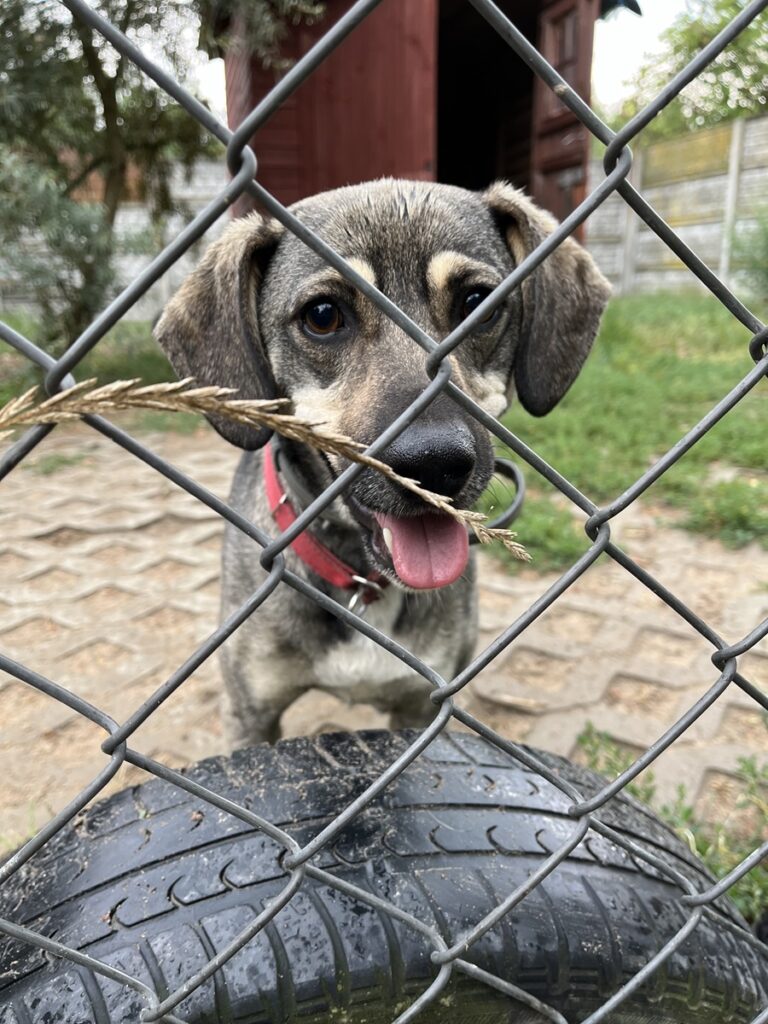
(368, 111)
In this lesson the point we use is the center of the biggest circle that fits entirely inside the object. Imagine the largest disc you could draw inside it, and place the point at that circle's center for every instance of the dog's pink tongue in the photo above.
(427, 551)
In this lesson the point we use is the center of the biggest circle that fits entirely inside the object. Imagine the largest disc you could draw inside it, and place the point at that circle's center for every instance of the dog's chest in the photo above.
(357, 668)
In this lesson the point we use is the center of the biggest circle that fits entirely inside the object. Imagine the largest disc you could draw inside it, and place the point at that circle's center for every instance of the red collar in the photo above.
(313, 554)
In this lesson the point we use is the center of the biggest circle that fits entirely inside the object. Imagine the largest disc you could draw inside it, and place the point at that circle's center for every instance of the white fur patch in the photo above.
(442, 267)
(447, 265)
(363, 268)
(489, 392)
(322, 407)
(358, 669)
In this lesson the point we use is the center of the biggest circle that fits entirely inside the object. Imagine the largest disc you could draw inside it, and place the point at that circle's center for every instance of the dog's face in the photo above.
(266, 315)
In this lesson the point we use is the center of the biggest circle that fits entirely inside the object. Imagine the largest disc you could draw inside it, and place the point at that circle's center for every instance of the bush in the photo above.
(60, 248)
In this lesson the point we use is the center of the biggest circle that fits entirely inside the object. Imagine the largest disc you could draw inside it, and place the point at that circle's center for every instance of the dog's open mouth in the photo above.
(427, 551)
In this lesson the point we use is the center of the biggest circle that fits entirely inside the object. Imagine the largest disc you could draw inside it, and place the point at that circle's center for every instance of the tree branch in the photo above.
(123, 25)
(91, 57)
(80, 178)
(125, 21)
(114, 150)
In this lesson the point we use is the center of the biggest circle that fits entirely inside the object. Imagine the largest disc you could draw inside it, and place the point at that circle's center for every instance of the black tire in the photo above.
(155, 881)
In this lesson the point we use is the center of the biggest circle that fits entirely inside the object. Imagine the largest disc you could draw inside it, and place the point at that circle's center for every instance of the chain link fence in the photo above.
(586, 813)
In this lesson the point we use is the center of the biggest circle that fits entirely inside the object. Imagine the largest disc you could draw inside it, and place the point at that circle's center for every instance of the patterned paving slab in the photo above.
(110, 579)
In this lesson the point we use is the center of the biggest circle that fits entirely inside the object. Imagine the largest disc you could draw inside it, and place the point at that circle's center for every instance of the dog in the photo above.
(264, 314)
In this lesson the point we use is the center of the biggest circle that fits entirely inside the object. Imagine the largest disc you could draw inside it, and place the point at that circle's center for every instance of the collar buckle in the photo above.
(366, 592)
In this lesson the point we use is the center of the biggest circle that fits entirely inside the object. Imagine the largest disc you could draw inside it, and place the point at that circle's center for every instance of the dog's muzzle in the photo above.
(430, 549)
(422, 548)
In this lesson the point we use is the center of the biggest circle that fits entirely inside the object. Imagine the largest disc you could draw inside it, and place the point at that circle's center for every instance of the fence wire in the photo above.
(298, 860)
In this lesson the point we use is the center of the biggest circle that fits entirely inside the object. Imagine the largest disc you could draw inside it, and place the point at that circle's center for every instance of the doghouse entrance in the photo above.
(484, 99)
(496, 119)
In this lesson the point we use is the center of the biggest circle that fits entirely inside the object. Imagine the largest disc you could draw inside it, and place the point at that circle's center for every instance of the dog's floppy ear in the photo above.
(562, 302)
(209, 330)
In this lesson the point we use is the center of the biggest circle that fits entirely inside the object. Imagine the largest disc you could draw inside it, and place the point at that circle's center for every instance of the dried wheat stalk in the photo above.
(86, 398)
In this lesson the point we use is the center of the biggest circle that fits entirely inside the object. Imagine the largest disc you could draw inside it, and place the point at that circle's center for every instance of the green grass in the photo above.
(22, 322)
(548, 531)
(719, 846)
(735, 512)
(46, 465)
(127, 351)
(659, 364)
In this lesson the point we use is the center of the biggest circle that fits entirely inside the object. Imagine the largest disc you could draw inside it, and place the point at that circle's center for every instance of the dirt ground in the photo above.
(110, 580)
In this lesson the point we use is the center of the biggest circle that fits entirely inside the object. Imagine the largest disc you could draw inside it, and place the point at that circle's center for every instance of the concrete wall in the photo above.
(709, 186)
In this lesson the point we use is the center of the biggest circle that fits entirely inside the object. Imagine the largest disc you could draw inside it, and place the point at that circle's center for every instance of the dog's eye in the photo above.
(322, 317)
(472, 300)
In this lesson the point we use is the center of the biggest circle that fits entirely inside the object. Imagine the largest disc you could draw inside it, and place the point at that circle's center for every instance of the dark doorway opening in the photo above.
(484, 98)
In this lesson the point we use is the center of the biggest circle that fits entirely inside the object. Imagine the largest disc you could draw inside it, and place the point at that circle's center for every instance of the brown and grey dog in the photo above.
(266, 315)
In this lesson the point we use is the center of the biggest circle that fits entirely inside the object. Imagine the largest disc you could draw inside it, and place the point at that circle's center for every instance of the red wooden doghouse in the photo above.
(427, 89)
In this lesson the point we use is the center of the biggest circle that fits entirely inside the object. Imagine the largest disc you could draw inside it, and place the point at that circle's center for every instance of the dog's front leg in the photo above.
(255, 696)
(414, 711)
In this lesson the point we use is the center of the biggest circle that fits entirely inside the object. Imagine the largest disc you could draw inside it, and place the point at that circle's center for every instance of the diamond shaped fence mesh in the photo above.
(300, 861)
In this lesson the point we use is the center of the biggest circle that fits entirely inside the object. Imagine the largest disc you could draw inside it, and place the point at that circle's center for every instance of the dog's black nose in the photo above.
(440, 457)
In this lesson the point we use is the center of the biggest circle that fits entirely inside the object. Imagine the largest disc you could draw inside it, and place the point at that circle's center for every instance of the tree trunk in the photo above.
(116, 166)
